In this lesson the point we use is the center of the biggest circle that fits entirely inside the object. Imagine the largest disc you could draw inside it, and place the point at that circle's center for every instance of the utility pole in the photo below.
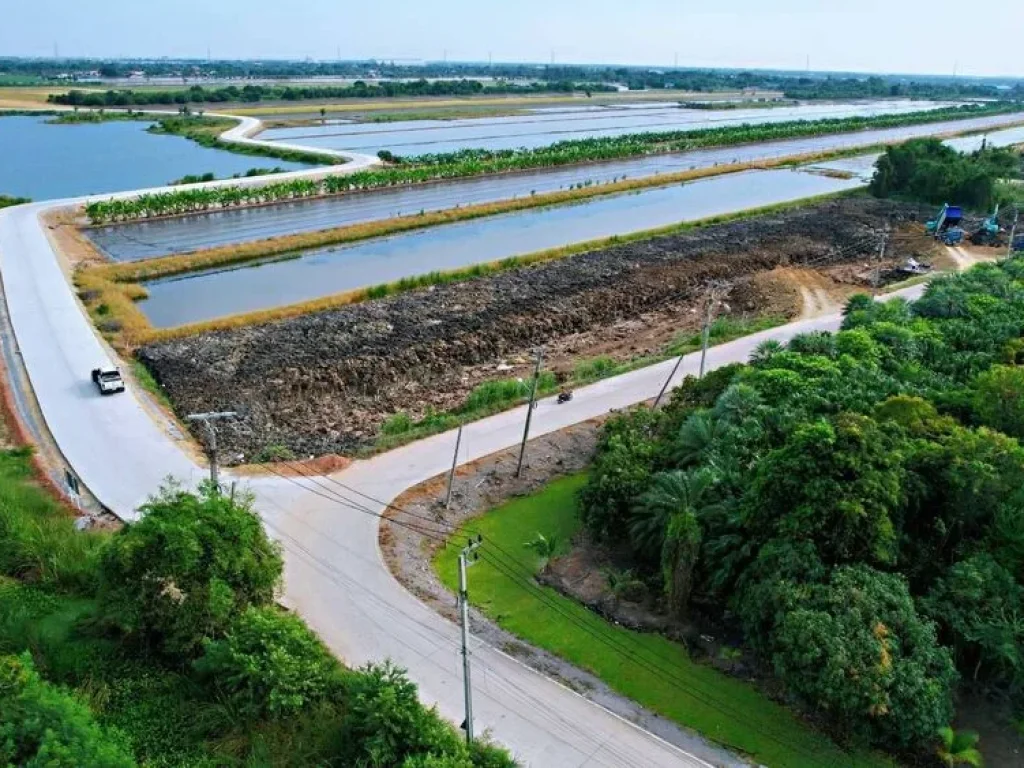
(529, 410)
(208, 420)
(1013, 233)
(876, 274)
(717, 290)
(455, 463)
(464, 562)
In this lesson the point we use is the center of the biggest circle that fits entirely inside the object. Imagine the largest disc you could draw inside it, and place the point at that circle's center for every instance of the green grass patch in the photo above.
(38, 540)
(495, 396)
(145, 379)
(721, 708)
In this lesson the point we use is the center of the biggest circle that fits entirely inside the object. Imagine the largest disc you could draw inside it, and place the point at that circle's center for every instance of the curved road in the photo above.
(335, 576)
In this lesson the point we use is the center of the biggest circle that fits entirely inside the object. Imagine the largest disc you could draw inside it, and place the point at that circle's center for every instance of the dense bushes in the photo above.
(854, 507)
(926, 169)
(182, 654)
(44, 726)
(187, 570)
(269, 663)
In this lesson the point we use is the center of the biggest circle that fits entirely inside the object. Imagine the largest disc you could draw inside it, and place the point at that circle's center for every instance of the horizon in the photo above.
(416, 62)
(873, 37)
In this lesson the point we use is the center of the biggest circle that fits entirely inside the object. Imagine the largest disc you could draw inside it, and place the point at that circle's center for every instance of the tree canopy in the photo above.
(859, 512)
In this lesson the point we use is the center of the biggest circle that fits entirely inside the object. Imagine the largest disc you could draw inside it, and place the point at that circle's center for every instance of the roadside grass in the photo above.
(668, 682)
(38, 540)
(493, 397)
(145, 380)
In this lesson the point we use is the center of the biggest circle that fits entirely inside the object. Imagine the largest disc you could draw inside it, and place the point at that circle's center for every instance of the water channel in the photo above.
(162, 237)
(207, 295)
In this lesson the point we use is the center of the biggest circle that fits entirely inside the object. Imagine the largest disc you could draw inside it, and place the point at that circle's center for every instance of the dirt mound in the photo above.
(323, 383)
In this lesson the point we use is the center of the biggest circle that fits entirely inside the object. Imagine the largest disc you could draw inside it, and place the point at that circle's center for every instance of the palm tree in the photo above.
(765, 351)
(959, 748)
(666, 518)
(695, 436)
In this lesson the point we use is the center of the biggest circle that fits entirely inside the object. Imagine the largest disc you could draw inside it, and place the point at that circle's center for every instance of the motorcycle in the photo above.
(564, 397)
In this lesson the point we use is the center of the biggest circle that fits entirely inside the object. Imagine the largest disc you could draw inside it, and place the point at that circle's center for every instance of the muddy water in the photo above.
(144, 240)
(204, 296)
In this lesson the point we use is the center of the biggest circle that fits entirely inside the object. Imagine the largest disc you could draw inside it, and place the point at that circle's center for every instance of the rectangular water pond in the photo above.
(323, 272)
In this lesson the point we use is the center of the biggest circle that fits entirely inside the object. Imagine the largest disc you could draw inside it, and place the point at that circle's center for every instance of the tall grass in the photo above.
(38, 540)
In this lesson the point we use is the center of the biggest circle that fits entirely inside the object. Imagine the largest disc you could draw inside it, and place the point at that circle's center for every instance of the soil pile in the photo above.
(324, 383)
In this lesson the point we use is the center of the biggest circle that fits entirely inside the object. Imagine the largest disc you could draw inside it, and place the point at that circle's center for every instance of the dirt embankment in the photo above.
(324, 383)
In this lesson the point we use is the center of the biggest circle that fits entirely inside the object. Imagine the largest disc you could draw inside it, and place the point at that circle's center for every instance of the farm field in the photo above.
(425, 137)
(162, 237)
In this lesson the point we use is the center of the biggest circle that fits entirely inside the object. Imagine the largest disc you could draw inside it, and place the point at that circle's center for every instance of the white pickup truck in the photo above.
(108, 380)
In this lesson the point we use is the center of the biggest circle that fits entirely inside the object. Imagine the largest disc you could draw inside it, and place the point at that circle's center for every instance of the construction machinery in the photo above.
(946, 226)
(989, 232)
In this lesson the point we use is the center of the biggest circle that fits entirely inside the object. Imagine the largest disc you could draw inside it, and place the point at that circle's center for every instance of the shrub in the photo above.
(187, 569)
(269, 663)
(44, 726)
(397, 424)
(387, 725)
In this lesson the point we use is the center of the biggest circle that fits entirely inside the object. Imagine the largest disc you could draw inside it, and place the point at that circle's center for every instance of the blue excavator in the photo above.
(989, 232)
(946, 226)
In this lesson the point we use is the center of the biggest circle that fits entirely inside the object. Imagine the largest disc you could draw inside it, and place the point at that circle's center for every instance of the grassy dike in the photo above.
(110, 292)
(667, 681)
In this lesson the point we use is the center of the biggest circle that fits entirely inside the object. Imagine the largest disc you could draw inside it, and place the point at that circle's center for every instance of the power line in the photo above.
(598, 632)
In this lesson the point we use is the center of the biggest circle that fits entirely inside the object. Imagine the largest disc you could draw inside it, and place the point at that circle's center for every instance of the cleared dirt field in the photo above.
(324, 383)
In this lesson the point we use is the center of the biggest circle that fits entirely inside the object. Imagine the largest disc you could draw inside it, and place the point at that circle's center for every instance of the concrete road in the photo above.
(334, 573)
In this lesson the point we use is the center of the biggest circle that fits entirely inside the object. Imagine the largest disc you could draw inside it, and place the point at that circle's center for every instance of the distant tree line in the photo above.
(809, 85)
(198, 94)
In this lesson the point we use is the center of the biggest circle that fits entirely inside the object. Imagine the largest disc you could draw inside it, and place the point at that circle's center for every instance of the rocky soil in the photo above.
(324, 383)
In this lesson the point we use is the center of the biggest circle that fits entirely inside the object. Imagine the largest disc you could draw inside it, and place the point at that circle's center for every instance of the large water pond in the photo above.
(207, 295)
(149, 239)
(43, 161)
(428, 136)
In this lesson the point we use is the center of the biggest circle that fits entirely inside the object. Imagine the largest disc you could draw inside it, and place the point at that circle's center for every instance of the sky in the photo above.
(912, 36)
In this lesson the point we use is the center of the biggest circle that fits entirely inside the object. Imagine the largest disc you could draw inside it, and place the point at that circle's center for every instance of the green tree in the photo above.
(837, 483)
(43, 726)
(269, 663)
(666, 521)
(999, 399)
(981, 606)
(187, 569)
(621, 472)
(856, 648)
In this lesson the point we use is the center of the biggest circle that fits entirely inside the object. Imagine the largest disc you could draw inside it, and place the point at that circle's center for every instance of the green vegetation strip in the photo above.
(482, 162)
(721, 708)
(6, 201)
(495, 396)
